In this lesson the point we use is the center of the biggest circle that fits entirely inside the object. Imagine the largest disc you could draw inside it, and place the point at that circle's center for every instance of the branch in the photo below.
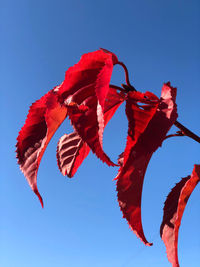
(187, 132)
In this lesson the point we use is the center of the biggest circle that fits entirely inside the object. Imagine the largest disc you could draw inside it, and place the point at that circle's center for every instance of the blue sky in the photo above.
(81, 223)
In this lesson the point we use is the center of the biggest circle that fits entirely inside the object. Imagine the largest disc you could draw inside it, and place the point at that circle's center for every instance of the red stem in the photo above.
(126, 72)
(128, 87)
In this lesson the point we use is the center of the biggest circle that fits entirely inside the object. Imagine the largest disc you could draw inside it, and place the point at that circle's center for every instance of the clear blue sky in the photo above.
(81, 224)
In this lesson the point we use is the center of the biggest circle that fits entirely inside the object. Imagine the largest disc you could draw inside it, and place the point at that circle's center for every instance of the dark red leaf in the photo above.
(87, 84)
(149, 121)
(71, 150)
(44, 117)
(173, 211)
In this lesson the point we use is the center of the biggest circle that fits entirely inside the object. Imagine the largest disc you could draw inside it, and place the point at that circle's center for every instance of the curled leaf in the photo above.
(173, 211)
(44, 118)
(149, 122)
(87, 84)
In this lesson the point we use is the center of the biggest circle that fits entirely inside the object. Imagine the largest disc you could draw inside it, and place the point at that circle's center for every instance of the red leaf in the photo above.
(87, 84)
(71, 150)
(92, 71)
(173, 212)
(44, 117)
(148, 125)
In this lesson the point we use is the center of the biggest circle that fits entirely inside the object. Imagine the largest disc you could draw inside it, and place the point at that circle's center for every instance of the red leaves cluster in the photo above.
(79, 97)
(88, 99)
(72, 150)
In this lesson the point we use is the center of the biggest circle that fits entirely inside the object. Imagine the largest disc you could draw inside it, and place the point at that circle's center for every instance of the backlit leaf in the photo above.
(87, 84)
(44, 118)
(71, 150)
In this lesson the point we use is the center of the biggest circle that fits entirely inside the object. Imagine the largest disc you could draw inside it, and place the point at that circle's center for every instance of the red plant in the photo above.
(89, 100)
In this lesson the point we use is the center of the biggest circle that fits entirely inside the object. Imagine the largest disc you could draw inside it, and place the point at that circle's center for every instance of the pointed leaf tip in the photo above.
(39, 197)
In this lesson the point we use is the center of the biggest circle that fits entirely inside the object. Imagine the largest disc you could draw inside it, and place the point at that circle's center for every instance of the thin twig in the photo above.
(118, 88)
(128, 87)
(177, 134)
(126, 72)
(187, 132)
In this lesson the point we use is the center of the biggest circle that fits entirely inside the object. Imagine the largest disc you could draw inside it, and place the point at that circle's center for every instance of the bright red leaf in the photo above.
(173, 211)
(44, 118)
(149, 123)
(71, 150)
(86, 85)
